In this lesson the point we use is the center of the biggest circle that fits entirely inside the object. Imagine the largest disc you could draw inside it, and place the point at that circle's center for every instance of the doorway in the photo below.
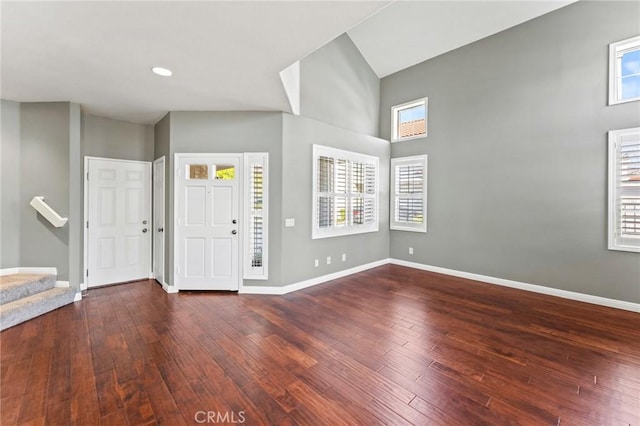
(117, 214)
(207, 214)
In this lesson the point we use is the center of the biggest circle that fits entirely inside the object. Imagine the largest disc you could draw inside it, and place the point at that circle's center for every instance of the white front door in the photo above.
(207, 221)
(158, 219)
(118, 215)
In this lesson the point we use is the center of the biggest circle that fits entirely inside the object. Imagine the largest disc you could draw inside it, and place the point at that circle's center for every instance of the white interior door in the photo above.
(207, 222)
(158, 219)
(118, 214)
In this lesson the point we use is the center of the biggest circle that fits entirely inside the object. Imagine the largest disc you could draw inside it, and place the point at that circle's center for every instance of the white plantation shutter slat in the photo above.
(624, 189)
(325, 174)
(340, 211)
(325, 212)
(370, 179)
(369, 211)
(357, 206)
(357, 178)
(409, 210)
(341, 173)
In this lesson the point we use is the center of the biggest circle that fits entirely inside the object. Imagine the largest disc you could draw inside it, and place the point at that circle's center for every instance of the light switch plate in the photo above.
(289, 223)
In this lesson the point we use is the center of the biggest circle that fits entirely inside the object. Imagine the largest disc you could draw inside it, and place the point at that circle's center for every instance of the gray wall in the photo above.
(44, 170)
(231, 132)
(298, 249)
(339, 99)
(76, 206)
(518, 153)
(10, 185)
(338, 87)
(108, 138)
(162, 138)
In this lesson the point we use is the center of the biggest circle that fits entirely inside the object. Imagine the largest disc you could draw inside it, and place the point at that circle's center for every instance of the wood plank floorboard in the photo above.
(390, 345)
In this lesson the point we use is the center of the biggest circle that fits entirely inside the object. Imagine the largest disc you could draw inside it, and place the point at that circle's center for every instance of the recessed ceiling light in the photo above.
(162, 71)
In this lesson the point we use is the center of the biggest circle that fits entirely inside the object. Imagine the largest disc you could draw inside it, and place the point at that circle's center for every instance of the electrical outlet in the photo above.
(316, 263)
(328, 260)
(344, 257)
(410, 250)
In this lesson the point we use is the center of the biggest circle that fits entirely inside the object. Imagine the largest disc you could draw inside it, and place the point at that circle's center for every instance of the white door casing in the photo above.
(207, 206)
(117, 220)
(158, 219)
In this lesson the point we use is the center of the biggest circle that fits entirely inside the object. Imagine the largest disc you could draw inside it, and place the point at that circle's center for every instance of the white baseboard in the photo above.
(581, 297)
(83, 286)
(62, 284)
(28, 270)
(261, 289)
(171, 289)
(78, 297)
(311, 282)
(9, 271)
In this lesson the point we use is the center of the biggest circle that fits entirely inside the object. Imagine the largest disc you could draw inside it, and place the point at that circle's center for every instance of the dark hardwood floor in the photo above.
(388, 346)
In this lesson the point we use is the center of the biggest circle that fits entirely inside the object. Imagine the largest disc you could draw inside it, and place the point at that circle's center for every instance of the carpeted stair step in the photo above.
(29, 307)
(17, 286)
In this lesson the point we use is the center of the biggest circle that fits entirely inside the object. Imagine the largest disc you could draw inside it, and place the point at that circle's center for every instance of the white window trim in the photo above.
(616, 50)
(616, 138)
(394, 119)
(401, 226)
(316, 231)
(251, 272)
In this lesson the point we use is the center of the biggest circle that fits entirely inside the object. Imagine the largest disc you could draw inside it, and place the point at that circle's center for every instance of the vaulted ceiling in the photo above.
(225, 56)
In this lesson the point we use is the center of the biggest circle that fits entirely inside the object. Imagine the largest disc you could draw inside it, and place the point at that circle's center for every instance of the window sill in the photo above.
(407, 228)
(409, 138)
(623, 101)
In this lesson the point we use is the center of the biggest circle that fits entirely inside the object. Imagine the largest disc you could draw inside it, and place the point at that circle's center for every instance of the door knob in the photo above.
(144, 230)
(234, 232)
(160, 229)
(234, 221)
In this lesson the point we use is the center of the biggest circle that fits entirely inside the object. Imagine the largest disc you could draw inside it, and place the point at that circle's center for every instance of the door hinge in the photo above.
(87, 224)
(87, 175)
(87, 272)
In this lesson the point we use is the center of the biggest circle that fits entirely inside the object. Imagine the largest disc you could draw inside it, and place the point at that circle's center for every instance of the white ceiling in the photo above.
(409, 32)
(226, 56)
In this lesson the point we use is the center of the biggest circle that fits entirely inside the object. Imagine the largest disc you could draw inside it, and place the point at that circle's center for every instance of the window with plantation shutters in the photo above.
(624, 189)
(256, 216)
(409, 194)
(345, 199)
